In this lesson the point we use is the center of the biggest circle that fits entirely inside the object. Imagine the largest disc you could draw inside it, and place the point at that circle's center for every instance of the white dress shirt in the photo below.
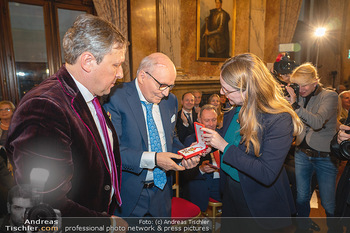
(148, 157)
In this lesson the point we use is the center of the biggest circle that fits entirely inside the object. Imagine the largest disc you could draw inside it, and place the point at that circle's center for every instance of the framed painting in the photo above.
(216, 20)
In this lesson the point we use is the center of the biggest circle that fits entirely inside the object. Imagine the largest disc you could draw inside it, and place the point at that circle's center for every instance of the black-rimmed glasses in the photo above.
(162, 86)
(228, 92)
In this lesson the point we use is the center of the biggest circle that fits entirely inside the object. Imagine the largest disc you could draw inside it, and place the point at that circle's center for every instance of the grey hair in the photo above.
(147, 63)
(93, 34)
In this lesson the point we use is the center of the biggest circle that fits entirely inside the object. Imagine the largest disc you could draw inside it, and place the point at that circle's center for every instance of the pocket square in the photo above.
(173, 118)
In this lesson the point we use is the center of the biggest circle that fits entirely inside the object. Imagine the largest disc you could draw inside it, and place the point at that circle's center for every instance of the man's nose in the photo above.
(166, 92)
(120, 73)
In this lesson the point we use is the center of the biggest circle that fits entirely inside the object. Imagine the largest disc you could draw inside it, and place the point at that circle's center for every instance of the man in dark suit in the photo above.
(144, 115)
(56, 127)
(202, 181)
(186, 117)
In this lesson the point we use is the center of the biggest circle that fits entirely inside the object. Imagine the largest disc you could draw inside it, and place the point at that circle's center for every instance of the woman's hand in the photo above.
(212, 138)
(293, 97)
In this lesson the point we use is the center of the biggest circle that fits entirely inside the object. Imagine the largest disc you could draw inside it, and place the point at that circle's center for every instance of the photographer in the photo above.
(282, 69)
(19, 200)
(23, 208)
(317, 108)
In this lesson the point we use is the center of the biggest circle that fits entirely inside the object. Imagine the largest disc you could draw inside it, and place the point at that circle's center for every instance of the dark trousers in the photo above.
(153, 202)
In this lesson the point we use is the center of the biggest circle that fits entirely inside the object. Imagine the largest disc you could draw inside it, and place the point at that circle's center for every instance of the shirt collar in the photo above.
(83, 90)
(142, 98)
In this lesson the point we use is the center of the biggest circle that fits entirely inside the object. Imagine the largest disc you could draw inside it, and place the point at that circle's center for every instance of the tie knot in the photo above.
(147, 105)
(96, 104)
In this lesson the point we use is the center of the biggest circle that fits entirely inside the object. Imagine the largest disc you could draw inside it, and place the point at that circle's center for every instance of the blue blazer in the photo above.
(127, 116)
(263, 179)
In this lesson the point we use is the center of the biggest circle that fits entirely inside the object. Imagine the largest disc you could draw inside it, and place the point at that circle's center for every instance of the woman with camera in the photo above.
(254, 142)
(317, 108)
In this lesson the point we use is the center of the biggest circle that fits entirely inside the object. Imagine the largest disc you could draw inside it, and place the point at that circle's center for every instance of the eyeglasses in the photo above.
(5, 109)
(162, 86)
(228, 92)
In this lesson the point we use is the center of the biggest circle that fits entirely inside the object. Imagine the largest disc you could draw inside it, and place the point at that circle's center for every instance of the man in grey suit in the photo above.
(139, 130)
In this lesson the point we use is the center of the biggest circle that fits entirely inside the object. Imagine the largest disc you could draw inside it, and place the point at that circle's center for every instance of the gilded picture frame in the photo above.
(216, 22)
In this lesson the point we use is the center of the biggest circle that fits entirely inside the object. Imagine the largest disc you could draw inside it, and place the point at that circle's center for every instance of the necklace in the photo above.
(4, 125)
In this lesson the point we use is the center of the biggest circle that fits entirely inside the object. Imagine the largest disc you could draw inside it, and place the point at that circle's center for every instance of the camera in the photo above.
(42, 215)
(344, 147)
(295, 88)
(284, 65)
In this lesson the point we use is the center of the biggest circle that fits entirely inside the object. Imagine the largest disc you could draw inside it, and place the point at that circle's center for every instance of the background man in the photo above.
(144, 115)
(59, 126)
(202, 181)
(186, 117)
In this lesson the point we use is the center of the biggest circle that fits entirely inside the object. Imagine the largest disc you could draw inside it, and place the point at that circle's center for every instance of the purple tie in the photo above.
(113, 172)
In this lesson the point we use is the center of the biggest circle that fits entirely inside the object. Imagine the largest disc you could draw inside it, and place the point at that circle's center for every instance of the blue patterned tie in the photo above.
(159, 175)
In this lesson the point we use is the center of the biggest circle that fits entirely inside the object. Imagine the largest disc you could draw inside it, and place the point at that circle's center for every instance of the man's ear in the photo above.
(142, 77)
(87, 61)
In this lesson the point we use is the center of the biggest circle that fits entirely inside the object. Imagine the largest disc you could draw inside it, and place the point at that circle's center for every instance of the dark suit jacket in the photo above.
(263, 179)
(52, 128)
(128, 119)
(195, 187)
(342, 207)
(183, 131)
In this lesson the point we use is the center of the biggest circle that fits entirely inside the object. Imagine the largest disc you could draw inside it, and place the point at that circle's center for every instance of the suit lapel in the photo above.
(136, 108)
(165, 114)
(80, 108)
(85, 116)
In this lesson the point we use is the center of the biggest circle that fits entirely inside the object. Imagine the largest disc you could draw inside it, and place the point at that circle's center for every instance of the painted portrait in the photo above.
(215, 29)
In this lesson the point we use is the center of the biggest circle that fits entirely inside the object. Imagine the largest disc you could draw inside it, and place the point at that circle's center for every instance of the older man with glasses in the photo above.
(143, 113)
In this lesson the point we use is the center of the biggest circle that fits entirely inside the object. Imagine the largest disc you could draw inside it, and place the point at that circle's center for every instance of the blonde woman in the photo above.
(344, 104)
(317, 107)
(214, 99)
(257, 135)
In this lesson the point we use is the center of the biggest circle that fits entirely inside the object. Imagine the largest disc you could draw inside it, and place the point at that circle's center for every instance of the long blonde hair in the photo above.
(248, 73)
